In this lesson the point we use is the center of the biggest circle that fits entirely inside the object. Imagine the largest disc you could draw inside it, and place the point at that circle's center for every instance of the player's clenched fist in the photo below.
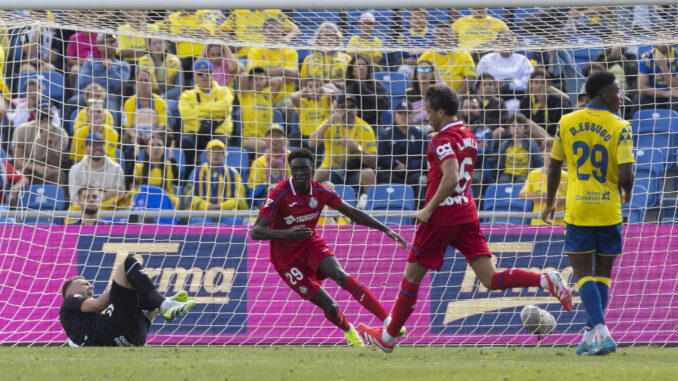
(297, 233)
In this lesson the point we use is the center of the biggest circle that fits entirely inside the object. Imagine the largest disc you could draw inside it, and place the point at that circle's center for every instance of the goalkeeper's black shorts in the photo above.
(123, 324)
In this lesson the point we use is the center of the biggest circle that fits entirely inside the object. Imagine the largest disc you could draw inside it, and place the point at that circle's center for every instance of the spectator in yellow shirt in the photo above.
(205, 112)
(194, 23)
(278, 63)
(144, 98)
(130, 45)
(95, 124)
(256, 92)
(455, 67)
(328, 61)
(156, 169)
(313, 105)
(271, 167)
(366, 44)
(535, 187)
(246, 25)
(477, 30)
(93, 93)
(350, 146)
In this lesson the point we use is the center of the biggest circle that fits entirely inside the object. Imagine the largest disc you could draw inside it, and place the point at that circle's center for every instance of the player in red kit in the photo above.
(450, 219)
(288, 219)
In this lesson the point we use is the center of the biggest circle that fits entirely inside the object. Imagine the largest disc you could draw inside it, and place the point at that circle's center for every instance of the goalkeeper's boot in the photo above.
(603, 347)
(403, 330)
(181, 296)
(584, 348)
(353, 339)
(373, 335)
(558, 288)
(178, 309)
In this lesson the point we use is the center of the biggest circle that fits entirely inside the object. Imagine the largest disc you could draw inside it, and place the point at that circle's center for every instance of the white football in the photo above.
(537, 320)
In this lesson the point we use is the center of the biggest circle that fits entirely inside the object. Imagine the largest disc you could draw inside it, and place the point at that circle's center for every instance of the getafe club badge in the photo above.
(313, 202)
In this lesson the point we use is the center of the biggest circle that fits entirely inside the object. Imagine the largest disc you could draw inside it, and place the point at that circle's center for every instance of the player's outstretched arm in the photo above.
(362, 218)
(261, 232)
(552, 184)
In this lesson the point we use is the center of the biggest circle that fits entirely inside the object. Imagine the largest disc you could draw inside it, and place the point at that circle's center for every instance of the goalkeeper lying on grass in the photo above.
(123, 322)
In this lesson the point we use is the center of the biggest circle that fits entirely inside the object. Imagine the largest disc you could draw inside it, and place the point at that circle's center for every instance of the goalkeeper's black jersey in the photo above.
(80, 327)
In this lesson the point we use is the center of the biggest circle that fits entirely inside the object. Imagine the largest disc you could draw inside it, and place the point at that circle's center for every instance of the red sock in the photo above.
(515, 278)
(407, 298)
(364, 296)
(339, 320)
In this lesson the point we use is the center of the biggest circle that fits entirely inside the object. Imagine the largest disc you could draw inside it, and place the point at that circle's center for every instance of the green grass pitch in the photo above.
(334, 363)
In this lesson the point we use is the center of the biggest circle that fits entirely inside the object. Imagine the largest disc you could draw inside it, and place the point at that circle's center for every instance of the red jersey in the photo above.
(453, 142)
(286, 208)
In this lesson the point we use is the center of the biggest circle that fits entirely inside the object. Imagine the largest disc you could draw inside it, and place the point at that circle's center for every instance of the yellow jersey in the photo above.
(472, 32)
(80, 139)
(312, 113)
(161, 74)
(329, 66)
(453, 67)
(157, 176)
(81, 119)
(195, 106)
(257, 112)
(536, 181)
(200, 22)
(275, 59)
(336, 151)
(246, 24)
(594, 142)
(368, 48)
(517, 160)
(260, 172)
(131, 106)
(128, 40)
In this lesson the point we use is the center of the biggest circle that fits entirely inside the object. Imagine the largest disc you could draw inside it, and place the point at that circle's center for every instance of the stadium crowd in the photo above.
(208, 127)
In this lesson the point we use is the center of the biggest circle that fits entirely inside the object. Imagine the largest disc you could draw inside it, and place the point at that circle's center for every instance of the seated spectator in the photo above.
(418, 35)
(156, 169)
(89, 202)
(271, 167)
(563, 69)
(205, 112)
(247, 26)
(95, 124)
(477, 30)
(583, 100)
(40, 149)
(622, 63)
(107, 71)
(201, 22)
(329, 62)
(166, 76)
(143, 99)
(456, 67)
(40, 44)
(313, 105)
(279, 63)
(425, 75)
(544, 104)
(214, 185)
(366, 44)
(81, 47)
(472, 115)
(350, 147)
(25, 109)
(658, 76)
(97, 170)
(255, 93)
(332, 221)
(93, 93)
(535, 187)
(226, 67)
(373, 99)
(402, 151)
(592, 68)
(510, 69)
(518, 154)
(494, 112)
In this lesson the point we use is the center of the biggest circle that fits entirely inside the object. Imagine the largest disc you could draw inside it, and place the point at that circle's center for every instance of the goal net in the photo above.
(160, 133)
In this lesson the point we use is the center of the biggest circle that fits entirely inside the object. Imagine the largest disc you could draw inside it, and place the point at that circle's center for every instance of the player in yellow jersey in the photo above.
(597, 146)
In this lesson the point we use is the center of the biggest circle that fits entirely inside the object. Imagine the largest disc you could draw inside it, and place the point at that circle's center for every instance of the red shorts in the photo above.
(301, 274)
(431, 241)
